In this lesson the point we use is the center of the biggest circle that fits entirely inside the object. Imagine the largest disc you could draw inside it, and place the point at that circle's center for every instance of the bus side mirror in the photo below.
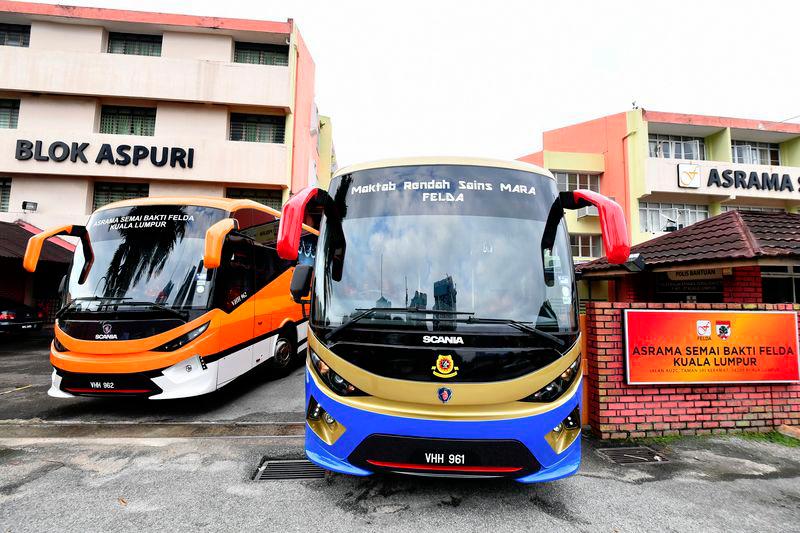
(291, 224)
(301, 282)
(215, 238)
(612, 221)
(34, 249)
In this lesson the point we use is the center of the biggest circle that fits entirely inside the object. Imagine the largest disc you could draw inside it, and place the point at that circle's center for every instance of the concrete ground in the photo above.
(76, 467)
(25, 365)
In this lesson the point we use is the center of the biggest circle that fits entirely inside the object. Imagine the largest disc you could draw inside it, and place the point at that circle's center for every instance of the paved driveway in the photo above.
(97, 465)
(24, 365)
(150, 484)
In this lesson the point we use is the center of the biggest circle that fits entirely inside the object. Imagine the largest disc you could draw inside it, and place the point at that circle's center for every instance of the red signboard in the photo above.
(679, 346)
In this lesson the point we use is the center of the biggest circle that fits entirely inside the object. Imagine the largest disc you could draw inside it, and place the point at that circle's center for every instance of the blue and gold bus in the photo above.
(443, 318)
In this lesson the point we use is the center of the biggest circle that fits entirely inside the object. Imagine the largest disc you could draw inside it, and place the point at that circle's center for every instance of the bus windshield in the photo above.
(146, 254)
(461, 242)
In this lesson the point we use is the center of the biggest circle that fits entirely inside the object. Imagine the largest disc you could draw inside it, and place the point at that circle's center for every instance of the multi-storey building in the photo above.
(98, 105)
(669, 170)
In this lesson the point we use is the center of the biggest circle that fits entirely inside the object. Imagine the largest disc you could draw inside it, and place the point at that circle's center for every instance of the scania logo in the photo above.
(442, 339)
(444, 394)
(106, 327)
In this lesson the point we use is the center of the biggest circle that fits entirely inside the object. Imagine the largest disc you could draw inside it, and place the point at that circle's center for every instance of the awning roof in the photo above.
(729, 237)
(14, 240)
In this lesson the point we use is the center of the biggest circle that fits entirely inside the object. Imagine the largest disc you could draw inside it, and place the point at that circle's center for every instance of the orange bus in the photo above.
(173, 297)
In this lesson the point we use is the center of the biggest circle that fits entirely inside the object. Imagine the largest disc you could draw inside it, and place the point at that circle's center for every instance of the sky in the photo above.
(441, 77)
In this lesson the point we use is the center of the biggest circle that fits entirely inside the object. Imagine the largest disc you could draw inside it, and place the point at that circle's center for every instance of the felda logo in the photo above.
(444, 367)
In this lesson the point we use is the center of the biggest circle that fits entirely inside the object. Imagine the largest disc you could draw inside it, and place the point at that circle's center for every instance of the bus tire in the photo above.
(285, 353)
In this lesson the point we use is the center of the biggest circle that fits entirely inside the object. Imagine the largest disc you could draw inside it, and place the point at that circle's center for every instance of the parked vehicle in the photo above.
(444, 337)
(19, 318)
(172, 297)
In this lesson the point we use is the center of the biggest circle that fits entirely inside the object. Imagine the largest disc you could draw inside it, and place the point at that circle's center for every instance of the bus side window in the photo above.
(268, 265)
(236, 278)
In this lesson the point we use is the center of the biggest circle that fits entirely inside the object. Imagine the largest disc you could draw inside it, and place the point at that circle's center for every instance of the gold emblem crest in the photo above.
(444, 368)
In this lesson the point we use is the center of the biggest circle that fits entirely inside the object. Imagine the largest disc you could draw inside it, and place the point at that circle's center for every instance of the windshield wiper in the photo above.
(522, 326)
(364, 313)
(69, 305)
(160, 307)
(123, 300)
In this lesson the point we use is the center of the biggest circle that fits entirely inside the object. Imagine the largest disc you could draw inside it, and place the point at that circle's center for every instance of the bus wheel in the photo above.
(285, 352)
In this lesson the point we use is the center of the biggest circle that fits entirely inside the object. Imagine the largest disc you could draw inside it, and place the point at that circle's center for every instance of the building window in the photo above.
(9, 113)
(754, 153)
(677, 147)
(108, 192)
(15, 35)
(659, 218)
(752, 209)
(128, 120)
(134, 44)
(587, 246)
(5, 194)
(780, 284)
(261, 54)
(569, 181)
(268, 197)
(257, 128)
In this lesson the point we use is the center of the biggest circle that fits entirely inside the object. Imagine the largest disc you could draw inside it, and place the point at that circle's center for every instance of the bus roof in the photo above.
(228, 204)
(446, 160)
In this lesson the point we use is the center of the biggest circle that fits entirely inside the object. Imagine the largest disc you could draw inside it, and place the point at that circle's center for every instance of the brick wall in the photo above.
(743, 285)
(617, 410)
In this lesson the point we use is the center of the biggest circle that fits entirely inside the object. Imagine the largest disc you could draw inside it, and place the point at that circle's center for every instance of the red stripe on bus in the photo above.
(447, 468)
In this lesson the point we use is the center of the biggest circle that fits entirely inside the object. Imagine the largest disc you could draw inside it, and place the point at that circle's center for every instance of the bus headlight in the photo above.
(333, 380)
(184, 339)
(556, 388)
(57, 346)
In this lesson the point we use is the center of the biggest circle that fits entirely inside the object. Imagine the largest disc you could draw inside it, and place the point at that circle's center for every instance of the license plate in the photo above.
(444, 458)
(102, 385)
(27, 326)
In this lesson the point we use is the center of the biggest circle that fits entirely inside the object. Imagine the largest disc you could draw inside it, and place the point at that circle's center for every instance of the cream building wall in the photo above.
(65, 76)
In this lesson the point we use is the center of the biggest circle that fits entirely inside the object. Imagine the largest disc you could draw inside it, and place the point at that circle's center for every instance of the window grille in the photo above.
(257, 128)
(569, 181)
(755, 153)
(5, 194)
(261, 54)
(134, 44)
(108, 192)
(128, 120)
(677, 147)
(9, 113)
(268, 197)
(15, 35)
(662, 217)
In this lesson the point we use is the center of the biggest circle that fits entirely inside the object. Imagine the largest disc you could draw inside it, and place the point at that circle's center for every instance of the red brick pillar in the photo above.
(743, 286)
(605, 372)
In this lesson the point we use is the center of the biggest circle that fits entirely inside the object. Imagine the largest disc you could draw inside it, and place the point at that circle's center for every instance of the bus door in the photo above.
(235, 291)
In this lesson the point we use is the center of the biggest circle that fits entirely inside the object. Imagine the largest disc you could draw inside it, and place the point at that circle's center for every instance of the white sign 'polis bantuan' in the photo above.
(716, 178)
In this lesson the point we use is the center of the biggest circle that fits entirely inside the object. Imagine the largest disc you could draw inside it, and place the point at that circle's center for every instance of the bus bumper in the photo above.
(182, 380)
(359, 425)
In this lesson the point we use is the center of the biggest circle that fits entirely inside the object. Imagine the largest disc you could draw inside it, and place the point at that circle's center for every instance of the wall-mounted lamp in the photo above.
(635, 263)
(30, 206)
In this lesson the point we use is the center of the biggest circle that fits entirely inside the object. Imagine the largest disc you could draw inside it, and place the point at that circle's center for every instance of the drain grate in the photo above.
(632, 455)
(287, 469)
